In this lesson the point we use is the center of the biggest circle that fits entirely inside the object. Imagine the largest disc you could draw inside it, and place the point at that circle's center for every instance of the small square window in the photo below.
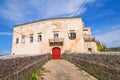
(72, 35)
(89, 49)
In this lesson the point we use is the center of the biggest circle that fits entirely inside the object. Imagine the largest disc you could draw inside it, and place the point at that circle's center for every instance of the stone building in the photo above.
(55, 36)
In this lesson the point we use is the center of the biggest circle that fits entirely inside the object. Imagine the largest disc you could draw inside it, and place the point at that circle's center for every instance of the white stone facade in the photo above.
(42, 36)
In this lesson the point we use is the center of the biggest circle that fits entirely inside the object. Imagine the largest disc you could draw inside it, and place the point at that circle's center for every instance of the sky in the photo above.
(102, 16)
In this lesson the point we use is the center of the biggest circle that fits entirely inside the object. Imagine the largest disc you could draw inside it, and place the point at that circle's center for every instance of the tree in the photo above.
(100, 46)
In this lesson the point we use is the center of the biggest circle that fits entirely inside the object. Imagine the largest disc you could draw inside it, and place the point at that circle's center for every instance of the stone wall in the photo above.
(20, 67)
(103, 66)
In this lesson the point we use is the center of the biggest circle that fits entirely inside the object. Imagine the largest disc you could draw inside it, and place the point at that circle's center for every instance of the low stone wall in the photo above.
(103, 66)
(20, 67)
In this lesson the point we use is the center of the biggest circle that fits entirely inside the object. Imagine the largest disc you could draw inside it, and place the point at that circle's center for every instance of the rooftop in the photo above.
(45, 20)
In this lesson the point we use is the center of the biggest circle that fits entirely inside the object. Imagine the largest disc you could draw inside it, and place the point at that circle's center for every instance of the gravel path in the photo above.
(64, 70)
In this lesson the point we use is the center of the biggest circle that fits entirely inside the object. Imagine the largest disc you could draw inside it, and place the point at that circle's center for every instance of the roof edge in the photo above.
(45, 20)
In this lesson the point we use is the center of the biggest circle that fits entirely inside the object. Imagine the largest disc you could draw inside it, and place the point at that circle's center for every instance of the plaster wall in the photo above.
(48, 28)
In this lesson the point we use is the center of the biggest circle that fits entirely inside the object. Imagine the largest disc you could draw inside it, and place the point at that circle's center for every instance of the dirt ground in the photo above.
(63, 70)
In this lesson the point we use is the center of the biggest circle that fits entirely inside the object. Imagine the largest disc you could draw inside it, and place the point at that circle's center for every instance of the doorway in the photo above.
(56, 53)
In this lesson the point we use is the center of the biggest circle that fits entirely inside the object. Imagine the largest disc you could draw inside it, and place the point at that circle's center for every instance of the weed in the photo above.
(33, 77)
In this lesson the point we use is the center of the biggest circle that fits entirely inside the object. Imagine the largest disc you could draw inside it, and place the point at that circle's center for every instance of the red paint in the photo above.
(56, 53)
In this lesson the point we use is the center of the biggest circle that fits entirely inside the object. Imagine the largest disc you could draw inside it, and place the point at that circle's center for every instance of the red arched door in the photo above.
(56, 53)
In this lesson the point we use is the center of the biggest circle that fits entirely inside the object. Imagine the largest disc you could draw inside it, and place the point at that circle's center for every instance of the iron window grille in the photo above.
(72, 35)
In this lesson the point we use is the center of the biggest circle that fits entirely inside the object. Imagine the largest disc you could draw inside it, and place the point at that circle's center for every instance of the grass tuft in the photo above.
(33, 77)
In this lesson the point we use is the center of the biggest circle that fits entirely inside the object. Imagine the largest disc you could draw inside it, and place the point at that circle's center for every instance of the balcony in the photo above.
(56, 42)
(88, 38)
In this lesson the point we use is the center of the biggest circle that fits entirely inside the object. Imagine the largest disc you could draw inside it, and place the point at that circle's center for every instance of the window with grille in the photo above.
(72, 35)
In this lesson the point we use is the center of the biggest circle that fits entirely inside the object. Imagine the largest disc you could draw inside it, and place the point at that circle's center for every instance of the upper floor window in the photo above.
(23, 39)
(39, 37)
(56, 35)
(72, 35)
(31, 38)
(17, 40)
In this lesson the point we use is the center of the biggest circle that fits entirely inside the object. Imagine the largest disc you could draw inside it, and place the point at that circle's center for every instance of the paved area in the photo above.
(64, 70)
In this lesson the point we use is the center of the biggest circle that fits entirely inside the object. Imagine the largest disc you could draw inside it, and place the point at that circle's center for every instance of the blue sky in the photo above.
(103, 16)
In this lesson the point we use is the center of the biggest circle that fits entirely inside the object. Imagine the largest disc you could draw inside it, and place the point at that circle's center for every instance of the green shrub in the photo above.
(100, 46)
(33, 77)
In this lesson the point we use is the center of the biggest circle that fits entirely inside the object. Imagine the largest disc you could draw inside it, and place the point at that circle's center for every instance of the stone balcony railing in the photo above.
(56, 42)
(88, 38)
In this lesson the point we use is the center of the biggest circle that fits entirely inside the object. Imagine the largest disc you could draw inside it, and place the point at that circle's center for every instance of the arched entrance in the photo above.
(56, 53)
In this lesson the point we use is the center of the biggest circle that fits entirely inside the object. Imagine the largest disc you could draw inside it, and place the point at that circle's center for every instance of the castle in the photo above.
(55, 36)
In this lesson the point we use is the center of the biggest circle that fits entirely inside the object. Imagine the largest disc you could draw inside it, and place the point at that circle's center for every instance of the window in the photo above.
(23, 39)
(39, 37)
(89, 49)
(72, 35)
(31, 38)
(17, 40)
(56, 35)
(13, 53)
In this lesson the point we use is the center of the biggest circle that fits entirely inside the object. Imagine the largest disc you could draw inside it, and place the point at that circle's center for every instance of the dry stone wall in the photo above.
(103, 66)
(20, 67)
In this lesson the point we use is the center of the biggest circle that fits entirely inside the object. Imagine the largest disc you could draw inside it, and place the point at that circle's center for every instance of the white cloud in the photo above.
(5, 52)
(110, 39)
(107, 28)
(20, 11)
(5, 33)
(71, 8)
